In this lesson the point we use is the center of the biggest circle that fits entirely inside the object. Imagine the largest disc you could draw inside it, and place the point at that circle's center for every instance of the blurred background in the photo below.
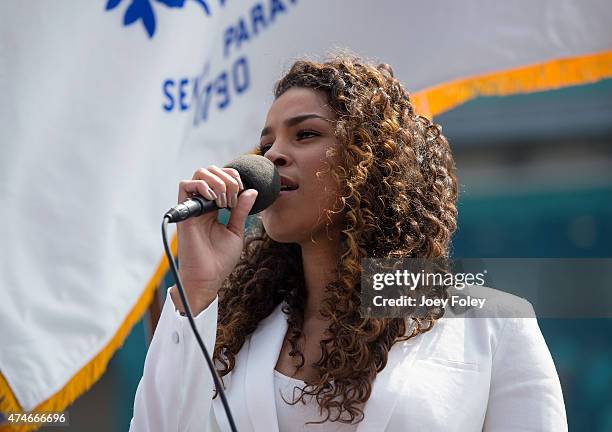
(535, 174)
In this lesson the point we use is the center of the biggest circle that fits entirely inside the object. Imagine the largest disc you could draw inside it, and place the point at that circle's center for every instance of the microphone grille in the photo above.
(258, 172)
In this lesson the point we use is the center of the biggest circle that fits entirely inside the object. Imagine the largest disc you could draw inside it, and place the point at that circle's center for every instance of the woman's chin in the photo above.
(278, 229)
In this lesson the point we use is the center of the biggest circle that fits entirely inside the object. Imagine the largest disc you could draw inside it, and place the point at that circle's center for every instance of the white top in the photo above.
(292, 418)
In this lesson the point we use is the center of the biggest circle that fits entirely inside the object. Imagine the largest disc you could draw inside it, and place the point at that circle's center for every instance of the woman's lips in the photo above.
(288, 183)
(288, 186)
(286, 192)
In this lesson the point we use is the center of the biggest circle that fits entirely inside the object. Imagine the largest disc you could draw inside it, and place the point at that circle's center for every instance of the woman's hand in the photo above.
(208, 251)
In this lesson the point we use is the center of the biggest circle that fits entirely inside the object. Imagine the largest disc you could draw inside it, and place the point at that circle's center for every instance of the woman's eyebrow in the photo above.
(292, 121)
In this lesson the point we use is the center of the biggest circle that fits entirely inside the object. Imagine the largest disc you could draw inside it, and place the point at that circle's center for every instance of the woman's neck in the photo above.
(319, 262)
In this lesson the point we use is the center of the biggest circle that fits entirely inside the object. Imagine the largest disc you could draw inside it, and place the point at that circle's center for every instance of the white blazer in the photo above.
(466, 374)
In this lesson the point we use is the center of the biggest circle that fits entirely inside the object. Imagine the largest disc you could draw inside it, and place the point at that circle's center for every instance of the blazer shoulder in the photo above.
(478, 301)
(471, 334)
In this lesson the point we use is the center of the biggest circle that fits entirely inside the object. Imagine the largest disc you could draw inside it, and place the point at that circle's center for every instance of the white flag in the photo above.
(106, 105)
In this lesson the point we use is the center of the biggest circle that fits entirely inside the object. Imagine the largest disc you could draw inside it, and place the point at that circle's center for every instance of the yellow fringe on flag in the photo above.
(92, 371)
(429, 102)
(549, 75)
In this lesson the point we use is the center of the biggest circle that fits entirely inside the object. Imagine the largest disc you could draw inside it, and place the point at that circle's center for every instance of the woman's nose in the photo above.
(277, 158)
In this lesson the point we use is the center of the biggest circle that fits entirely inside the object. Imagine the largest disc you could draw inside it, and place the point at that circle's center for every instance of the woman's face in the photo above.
(298, 132)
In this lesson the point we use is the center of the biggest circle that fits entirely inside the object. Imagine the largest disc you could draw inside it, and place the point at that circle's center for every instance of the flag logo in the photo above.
(144, 11)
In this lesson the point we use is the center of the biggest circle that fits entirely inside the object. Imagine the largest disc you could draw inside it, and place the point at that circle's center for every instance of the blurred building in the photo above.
(536, 181)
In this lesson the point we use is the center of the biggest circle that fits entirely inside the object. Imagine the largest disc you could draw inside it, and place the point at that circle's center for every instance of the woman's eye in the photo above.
(303, 134)
(263, 148)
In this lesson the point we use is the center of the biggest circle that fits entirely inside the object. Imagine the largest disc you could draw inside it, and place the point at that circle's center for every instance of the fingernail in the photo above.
(212, 193)
(222, 200)
(240, 183)
(234, 199)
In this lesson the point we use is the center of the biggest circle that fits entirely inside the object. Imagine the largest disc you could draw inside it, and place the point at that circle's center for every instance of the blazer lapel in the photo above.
(264, 349)
(388, 385)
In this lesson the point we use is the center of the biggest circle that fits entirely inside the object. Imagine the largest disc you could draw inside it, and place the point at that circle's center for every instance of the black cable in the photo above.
(179, 285)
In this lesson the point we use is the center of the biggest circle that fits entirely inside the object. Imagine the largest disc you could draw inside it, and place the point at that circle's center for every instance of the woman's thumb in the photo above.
(239, 213)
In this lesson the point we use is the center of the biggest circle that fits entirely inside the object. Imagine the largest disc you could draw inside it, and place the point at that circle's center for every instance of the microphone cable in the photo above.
(209, 362)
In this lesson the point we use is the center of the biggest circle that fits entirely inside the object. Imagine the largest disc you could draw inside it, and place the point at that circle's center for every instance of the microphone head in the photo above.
(258, 172)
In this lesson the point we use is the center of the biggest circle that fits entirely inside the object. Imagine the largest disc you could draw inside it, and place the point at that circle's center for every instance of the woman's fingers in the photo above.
(231, 184)
(216, 183)
(196, 187)
(213, 183)
(235, 174)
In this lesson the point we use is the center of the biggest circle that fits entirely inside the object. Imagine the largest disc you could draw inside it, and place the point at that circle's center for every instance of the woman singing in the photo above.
(363, 177)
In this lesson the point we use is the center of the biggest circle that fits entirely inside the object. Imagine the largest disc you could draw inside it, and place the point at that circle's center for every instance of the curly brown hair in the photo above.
(398, 195)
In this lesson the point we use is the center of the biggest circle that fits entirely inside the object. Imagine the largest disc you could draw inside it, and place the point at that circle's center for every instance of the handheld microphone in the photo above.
(256, 172)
